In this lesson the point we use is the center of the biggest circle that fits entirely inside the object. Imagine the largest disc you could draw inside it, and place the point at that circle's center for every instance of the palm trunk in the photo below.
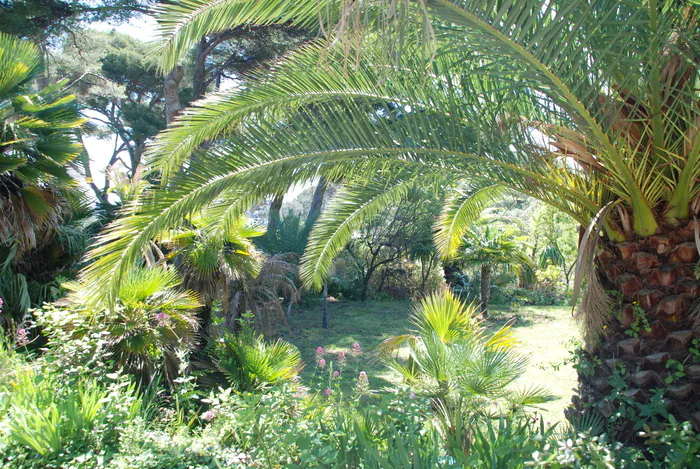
(204, 322)
(485, 289)
(649, 337)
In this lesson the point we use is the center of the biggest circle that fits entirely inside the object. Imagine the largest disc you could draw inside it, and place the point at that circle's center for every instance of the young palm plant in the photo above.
(589, 106)
(250, 363)
(487, 246)
(466, 372)
(152, 324)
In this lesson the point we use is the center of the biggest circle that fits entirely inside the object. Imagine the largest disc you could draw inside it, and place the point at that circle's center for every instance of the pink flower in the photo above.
(336, 374)
(327, 392)
(162, 319)
(1, 302)
(322, 363)
(319, 353)
(209, 415)
(22, 337)
(356, 348)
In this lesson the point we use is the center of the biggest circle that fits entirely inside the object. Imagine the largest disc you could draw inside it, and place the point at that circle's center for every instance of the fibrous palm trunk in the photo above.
(648, 339)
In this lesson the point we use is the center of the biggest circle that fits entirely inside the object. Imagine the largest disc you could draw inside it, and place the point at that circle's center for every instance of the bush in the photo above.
(251, 363)
(544, 294)
(49, 415)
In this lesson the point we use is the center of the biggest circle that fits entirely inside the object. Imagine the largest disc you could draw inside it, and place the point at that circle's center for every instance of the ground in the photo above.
(547, 335)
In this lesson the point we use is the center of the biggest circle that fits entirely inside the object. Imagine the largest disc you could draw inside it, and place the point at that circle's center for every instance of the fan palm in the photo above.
(38, 145)
(222, 263)
(465, 371)
(488, 246)
(249, 362)
(210, 261)
(153, 322)
(588, 105)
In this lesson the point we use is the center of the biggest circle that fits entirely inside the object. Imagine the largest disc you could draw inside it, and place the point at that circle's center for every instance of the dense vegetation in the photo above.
(269, 158)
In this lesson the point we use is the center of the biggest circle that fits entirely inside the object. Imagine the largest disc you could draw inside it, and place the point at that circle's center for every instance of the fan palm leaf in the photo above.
(38, 145)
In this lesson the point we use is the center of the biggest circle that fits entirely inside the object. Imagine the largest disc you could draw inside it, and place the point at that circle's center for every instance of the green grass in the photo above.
(546, 335)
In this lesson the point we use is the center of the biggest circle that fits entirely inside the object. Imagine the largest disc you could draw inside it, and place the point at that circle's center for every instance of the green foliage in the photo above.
(46, 21)
(39, 146)
(490, 243)
(44, 226)
(59, 412)
(288, 235)
(251, 363)
(464, 115)
(152, 324)
(210, 259)
(50, 416)
(465, 372)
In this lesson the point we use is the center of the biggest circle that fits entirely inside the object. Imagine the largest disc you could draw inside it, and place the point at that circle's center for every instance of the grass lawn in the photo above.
(545, 333)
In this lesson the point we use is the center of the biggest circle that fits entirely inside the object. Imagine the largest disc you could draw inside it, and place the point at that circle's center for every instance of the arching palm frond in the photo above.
(621, 72)
(393, 127)
(183, 22)
(350, 209)
(463, 208)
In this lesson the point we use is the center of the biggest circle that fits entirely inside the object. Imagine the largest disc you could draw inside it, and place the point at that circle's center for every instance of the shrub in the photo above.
(466, 372)
(48, 416)
(250, 363)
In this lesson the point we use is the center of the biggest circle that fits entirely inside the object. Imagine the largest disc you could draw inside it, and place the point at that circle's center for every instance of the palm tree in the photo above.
(590, 106)
(38, 145)
(40, 202)
(488, 246)
(211, 261)
(466, 372)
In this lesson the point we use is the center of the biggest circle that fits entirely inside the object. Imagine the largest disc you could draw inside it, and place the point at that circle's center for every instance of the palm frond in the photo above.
(353, 206)
(460, 211)
(184, 22)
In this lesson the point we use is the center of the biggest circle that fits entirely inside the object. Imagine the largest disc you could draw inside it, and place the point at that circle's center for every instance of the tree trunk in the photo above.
(485, 289)
(324, 306)
(382, 280)
(171, 93)
(448, 271)
(273, 217)
(649, 336)
(316, 203)
(199, 85)
(365, 286)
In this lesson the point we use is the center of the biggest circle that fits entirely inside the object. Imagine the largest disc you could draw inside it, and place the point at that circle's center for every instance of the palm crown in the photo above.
(596, 104)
